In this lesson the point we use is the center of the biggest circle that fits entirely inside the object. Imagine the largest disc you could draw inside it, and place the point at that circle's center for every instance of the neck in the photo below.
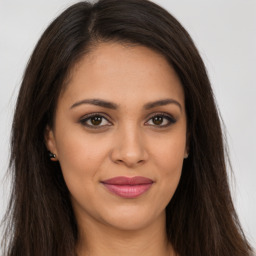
(96, 239)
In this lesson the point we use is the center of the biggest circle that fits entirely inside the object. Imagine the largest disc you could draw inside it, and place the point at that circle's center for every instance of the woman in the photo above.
(117, 147)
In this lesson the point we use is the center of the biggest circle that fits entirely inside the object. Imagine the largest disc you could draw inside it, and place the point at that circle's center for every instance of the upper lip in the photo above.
(121, 180)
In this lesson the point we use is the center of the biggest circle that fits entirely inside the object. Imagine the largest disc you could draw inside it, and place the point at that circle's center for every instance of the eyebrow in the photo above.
(111, 105)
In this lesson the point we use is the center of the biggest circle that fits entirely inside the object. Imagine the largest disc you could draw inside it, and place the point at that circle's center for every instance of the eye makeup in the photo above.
(99, 120)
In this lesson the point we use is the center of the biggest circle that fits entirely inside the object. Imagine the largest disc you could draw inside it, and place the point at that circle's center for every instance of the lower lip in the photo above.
(128, 191)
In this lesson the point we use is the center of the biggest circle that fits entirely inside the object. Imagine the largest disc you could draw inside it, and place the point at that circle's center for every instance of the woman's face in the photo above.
(121, 116)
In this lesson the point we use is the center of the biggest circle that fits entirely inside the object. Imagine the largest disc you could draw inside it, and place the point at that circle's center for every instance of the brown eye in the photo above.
(95, 121)
(157, 120)
(161, 120)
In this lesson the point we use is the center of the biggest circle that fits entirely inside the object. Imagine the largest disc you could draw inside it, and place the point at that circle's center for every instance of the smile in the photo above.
(128, 187)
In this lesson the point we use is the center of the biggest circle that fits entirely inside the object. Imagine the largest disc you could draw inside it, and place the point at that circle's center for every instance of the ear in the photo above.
(50, 142)
(186, 153)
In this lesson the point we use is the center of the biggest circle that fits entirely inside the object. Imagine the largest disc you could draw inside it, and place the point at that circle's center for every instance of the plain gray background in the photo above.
(225, 34)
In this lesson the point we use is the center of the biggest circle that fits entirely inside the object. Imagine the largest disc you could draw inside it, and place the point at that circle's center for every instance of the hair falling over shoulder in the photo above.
(201, 219)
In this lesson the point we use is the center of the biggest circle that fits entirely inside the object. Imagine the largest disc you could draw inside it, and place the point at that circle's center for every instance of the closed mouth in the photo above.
(128, 187)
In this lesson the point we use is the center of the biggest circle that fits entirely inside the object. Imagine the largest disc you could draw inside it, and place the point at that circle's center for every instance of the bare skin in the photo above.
(131, 138)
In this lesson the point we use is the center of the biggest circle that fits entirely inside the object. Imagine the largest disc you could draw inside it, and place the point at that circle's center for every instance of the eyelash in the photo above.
(171, 120)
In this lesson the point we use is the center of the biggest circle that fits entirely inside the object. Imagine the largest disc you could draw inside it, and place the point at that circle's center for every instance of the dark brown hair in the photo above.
(201, 219)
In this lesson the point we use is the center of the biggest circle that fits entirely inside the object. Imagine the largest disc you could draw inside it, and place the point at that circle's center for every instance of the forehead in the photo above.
(124, 73)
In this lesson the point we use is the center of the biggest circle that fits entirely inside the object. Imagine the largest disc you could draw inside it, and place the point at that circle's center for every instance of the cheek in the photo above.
(80, 156)
(169, 152)
(173, 158)
(169, 157)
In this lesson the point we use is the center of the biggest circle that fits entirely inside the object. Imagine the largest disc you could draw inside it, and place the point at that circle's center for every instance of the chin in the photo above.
(132, 219)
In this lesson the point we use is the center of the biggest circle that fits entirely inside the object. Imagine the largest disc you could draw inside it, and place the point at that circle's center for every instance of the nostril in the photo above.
(129, 150)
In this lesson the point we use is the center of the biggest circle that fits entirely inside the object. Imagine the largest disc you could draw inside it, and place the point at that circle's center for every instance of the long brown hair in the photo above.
(201, 219)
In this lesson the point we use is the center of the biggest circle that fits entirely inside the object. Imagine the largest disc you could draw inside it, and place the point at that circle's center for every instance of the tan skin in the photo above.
(129, 141)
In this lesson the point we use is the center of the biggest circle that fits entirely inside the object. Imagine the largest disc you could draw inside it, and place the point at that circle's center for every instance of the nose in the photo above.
(129, 148)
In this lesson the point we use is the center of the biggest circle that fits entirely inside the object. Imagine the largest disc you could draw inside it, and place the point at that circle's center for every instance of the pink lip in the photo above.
(128, 187)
